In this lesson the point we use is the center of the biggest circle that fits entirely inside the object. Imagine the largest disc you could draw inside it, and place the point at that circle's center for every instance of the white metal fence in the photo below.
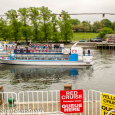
(94, 102)
(46, 102)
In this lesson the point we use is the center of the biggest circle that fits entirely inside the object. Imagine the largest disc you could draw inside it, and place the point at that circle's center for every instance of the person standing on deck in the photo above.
(108, 40)
(89, 51)
(84, 52)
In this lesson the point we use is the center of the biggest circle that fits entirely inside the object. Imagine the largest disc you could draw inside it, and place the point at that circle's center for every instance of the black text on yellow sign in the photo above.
(107, 103)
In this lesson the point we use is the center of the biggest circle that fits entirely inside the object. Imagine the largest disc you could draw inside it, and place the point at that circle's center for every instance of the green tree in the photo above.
(25, 28)
(105, 31)
(46, 25)
(75, 28)
(96, 26)
(35, 21)
(106, 23)
(75, 21)
(87, 25)
(55, 28)
(4, 29)
(66, 27)
(113, 25)
(82, 28)
(14, 24)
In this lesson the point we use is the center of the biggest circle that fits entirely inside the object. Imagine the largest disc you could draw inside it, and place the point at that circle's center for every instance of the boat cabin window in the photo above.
(39, 57)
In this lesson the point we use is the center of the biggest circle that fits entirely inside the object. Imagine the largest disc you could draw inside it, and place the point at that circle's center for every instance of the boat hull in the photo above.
(44, 63)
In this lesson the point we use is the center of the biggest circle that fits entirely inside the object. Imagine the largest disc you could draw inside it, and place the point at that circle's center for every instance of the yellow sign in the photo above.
(107, 103)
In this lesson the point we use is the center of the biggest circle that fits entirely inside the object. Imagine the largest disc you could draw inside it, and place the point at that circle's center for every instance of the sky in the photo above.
(70, 6)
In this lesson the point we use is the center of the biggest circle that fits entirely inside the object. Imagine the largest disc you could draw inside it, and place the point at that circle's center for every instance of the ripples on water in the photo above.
(100, 76)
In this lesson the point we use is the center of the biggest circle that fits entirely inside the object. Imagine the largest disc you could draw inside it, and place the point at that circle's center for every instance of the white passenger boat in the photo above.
(67, 57)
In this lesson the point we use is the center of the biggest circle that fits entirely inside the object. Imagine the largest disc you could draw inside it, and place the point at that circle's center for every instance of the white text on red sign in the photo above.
(72, 95)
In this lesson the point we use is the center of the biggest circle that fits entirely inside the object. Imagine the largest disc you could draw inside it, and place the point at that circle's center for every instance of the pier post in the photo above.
(67, 87)
(1, 94)
(96, 45)
(113, 45)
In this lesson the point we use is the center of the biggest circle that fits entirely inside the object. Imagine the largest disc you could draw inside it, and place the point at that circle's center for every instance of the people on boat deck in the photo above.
(89, 51)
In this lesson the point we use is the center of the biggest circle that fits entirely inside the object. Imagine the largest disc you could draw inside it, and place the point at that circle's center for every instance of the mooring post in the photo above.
(67, 87)
(1, 94)
(113, 45)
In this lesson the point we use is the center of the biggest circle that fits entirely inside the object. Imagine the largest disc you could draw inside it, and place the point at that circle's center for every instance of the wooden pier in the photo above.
(105, 45)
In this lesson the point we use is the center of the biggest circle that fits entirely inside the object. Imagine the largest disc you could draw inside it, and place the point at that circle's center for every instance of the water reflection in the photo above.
(42, 77)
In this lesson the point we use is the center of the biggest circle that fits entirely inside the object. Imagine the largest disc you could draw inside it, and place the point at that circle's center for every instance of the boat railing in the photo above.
(46, 45)
(19, 51)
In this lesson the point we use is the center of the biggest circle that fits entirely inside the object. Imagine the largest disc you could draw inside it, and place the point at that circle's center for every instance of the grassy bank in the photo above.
(83, 35)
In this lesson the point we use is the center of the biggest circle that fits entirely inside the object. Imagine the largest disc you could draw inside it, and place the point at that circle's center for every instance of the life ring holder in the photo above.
(74, 51)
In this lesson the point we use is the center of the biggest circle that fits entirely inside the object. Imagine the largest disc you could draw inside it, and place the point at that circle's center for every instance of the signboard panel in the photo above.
(107, 103)
(71, 101)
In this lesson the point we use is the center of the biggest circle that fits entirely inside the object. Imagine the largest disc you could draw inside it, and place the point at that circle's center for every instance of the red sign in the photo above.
(71, 101)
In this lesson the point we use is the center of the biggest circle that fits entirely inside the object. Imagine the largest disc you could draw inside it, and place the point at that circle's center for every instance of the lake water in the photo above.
(100, 76)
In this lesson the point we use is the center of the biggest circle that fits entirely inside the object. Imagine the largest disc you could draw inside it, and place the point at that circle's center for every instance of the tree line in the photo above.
(37, 24)
(102, 27)
(41, 25)
(86, 26)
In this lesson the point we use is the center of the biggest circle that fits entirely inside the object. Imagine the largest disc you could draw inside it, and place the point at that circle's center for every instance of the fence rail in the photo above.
(45, 102)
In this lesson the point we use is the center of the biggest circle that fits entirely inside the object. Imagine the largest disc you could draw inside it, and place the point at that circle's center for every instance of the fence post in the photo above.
(67, 87)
